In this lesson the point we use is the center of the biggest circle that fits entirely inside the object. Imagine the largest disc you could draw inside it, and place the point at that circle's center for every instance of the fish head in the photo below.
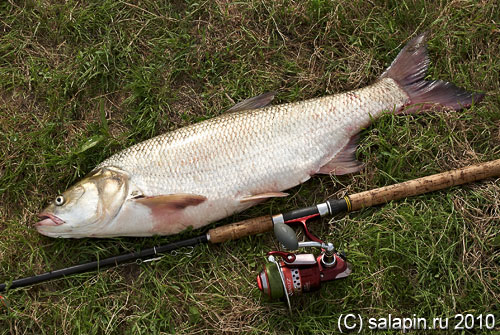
(85, 207)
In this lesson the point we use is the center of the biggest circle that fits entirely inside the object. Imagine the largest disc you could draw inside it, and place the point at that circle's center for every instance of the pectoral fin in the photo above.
(162, 204)
(263, 196)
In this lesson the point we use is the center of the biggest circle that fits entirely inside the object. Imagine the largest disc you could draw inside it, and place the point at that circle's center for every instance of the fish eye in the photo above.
(59, 200)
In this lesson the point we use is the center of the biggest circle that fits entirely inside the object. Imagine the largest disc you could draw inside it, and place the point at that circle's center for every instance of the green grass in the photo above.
(82, 80)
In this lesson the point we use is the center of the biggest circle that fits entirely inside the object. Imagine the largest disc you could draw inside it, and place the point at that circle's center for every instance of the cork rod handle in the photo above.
(426, 184)
(240, 229)
(370, 198)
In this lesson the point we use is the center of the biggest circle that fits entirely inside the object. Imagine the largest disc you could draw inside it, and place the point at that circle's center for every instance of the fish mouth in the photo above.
(48, 219)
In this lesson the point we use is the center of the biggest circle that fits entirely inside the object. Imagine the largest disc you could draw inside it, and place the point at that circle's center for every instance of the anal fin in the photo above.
(345, 161)
(263, 196)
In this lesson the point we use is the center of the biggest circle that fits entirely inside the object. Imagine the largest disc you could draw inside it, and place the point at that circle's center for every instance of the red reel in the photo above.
(306, 273)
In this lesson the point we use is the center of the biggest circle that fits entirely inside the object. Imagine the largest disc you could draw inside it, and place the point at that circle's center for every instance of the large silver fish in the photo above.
(207, 171)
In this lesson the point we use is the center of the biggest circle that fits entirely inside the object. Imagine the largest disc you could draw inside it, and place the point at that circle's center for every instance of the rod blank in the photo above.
(111, 261)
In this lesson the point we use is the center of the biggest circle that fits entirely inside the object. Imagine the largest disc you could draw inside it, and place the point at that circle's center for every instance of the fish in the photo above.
(204, 172)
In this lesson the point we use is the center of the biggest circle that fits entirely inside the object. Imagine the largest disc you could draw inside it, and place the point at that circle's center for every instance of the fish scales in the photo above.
(255, 150)
(207, 171)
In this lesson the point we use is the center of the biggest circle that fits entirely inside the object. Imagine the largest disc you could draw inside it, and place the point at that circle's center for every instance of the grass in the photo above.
(82, 80)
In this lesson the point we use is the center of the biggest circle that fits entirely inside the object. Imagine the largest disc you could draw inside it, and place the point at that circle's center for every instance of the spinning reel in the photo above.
(287, 274)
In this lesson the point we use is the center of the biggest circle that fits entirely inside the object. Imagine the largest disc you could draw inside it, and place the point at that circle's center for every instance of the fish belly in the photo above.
(242, 154)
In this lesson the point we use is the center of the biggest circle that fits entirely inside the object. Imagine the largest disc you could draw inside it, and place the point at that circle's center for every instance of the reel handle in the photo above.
(240, 229)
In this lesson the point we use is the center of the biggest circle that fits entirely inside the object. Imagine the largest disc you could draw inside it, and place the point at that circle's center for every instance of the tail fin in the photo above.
(408, 70)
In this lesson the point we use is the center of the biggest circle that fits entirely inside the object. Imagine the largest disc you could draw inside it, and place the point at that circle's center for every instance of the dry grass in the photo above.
(115, 73)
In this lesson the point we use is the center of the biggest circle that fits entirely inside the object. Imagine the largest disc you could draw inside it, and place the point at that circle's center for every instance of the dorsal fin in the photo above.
(253, 103)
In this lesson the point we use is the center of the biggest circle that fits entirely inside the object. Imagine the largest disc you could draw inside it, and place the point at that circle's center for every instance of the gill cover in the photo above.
(86, 206)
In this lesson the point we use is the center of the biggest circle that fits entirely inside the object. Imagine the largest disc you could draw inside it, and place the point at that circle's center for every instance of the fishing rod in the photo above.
(281, 224)
(287, 274)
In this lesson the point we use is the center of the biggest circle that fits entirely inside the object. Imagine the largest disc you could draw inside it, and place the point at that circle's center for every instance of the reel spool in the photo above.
(295, 274)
